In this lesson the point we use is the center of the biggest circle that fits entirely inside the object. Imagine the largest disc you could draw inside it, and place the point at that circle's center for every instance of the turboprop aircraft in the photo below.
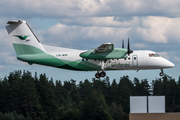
(105, 57)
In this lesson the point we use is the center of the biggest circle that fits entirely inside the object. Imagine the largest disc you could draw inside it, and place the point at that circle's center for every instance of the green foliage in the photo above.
(169, 88)
(24, 97)
(11, 116)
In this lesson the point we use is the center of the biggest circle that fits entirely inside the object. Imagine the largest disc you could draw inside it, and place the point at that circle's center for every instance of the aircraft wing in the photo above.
(105, 51)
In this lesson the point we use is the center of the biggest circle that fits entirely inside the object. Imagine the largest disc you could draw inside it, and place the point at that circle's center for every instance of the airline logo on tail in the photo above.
(22, 37)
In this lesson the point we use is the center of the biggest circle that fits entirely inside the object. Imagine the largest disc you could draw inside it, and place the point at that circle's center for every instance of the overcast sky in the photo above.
(84, 24)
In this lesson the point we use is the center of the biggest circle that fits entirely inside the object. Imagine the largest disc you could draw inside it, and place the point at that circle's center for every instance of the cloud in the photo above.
(80, 36)
(139, 45)
(108, 21)
(176, 58)
(9, 58)
(93, 8)
(3, 68)
(108, 29)
(164, 54)
(8, 55)
(159, 29)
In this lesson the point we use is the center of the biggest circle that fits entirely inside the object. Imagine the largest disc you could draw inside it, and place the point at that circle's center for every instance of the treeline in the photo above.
(27, 97)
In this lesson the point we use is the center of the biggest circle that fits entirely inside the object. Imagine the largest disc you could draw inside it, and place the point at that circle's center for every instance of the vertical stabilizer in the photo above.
(23, 38)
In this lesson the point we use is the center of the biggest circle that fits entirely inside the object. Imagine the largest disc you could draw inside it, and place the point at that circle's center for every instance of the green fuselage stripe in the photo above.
(49, 60)
(22, 49)
(32, 55)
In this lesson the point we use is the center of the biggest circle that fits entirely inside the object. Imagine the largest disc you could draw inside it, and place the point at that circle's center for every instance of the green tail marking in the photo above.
(21, 37)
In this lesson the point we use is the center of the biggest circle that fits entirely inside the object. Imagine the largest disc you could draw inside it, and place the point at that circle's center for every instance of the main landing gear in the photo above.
(101, 74)
(161, 73)
(103, 67)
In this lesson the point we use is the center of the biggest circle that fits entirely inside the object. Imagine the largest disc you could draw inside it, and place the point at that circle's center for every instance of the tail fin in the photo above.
(23, 38)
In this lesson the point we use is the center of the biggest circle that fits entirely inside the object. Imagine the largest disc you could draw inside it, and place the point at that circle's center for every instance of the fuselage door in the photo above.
(135, 60)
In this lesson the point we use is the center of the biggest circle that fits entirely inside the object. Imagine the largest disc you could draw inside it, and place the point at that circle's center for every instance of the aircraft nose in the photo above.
(168, 64)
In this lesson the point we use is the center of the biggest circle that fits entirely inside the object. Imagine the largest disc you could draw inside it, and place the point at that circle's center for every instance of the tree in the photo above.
(46, 97)
(117, 112)
(166, 86)
(59, 93)
(4, 95)
(157, 86)
(85, 89)
(125, 90)
(114, 96)
(95, 107)
(169, 85)
(31, 105)
(141, 88)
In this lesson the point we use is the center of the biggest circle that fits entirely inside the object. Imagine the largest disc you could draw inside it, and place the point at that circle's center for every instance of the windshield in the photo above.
(154, 55)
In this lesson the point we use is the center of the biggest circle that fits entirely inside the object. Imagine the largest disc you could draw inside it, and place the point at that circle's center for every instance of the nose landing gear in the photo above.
(161, 73)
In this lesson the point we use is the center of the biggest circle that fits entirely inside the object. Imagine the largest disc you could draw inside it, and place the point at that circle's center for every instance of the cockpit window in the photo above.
(154, 55)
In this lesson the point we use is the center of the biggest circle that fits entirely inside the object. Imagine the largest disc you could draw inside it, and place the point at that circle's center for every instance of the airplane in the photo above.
(105, 57)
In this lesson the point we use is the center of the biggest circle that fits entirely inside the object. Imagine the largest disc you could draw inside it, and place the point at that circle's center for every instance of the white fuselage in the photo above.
(138, 60)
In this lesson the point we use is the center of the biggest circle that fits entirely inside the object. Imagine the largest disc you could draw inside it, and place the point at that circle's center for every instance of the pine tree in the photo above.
(116, 111)
(125, 87)
(31, 104)
(95, 107)
(114, 96)
(85, 89)
(59, 93)
(141, 88)
(4, 95)
(47, 97)
(15, 100)
(157, 86)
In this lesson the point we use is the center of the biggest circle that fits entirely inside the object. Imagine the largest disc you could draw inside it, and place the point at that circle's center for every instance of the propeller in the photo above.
(128, 48)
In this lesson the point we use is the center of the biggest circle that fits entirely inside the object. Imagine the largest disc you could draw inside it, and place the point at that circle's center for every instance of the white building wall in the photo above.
(138, 104)
(156, 104)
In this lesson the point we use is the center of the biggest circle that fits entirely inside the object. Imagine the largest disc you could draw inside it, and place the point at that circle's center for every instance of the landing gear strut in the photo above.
(161, 73)
(103, 66)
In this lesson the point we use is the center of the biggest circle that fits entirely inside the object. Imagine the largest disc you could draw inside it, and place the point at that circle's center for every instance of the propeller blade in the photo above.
(128, 45)
(129, 51)
(123, 43)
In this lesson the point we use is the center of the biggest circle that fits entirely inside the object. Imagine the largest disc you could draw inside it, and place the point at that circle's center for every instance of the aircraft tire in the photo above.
(161, 74)
(102, 74)
(97, 75)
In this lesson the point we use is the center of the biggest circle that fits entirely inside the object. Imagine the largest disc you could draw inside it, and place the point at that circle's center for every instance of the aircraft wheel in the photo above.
(97, 75)
(161, 73)
(103, 74)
